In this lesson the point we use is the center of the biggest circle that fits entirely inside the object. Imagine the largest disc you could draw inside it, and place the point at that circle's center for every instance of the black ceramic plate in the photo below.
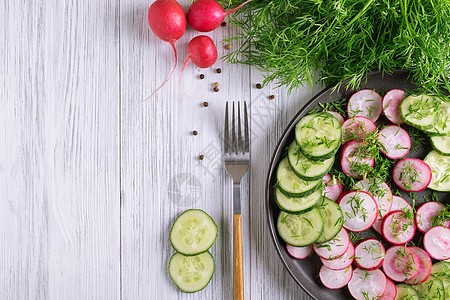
(306, 271)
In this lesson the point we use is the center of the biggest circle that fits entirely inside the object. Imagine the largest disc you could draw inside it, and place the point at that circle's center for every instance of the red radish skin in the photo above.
(412, 175)
(380, 192)
(207, 15)
(334, 248)
(349, 159)
(394, 141)
(400, 263)
(357, 128)
(359, 209)
(391, 103)
(398, 203)
(398, 228)
(332, 188)
(299, 252)
(369, 254)
(337, 116)
(377, 226)
(424, 269)
(390, 292)
(367, 284)
(426, 212)
(168, 22)
(342, 262)
(365, 103)
(437, 242)
(335, 279)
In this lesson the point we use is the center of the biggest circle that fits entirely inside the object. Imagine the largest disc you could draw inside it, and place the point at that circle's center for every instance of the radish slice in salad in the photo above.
(342, 262)
(437, 242)
(360, 210)
(391, 103)
(333, 188)
(394, 141)
(425, 214)
(398, 227)
(337, 115)
(412, 175)
(365, 103)
(335, 279)
(390, 292)
(357, 128)
(299, 252)
(424, 268)
(400, 263)
(369, 254)
(398, 203)
(354, 160)
(334, 248)
(367, 284)
(377, 226)
(380, 192)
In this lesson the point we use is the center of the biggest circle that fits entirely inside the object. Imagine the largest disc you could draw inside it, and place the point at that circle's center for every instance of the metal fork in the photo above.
(237, 161)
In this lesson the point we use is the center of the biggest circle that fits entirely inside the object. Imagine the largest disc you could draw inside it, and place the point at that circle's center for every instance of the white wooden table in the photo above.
(92, 178)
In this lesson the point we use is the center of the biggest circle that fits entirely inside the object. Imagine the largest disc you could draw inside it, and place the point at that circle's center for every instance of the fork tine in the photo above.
(240, 146)
(226, 135)
(246, 131)
(233, 133)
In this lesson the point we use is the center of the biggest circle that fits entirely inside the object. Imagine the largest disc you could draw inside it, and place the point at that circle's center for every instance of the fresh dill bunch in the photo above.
(294, 42)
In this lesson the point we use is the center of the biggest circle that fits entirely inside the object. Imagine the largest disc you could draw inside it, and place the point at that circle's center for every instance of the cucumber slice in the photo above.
(305, 168)
(419, 111)
(291, 185)
(318, 136)
(440, 169)
(442, 126)
(191, 273)
(441, 144)
(432, 288)
(406, 292)
(442, 271)
(300, 229)
(333, 220)
(295, 204)
(193, 232)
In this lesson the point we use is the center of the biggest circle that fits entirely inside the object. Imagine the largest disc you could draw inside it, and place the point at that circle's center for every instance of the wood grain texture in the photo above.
(238, 277)
(59, 162)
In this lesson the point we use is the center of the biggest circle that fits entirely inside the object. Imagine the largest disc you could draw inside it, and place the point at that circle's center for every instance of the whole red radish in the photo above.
(202, 51)
(168, 22)
(207, 15)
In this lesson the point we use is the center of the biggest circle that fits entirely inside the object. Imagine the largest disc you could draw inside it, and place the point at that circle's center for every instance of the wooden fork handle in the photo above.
(237, 261)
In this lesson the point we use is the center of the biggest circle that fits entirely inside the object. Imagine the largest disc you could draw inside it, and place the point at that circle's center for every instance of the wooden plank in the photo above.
(59, 160)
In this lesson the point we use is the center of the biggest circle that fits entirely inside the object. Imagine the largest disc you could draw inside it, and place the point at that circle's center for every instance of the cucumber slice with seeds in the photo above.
(419, 111)
(191, 273)
(442, 126)
(432, 288)
(291, 185)
(297, 204)
(441, 144)
(406, 292)
(193, 232)
(318, 136)
(305, 168)
(300, 229)
(333, 220)
(440, 169)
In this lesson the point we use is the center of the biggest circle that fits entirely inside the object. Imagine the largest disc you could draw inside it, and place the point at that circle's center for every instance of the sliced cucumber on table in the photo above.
(193, 232)
(419, 111)
(297, 204)
(318, 136)
(305, 168)
(440, 169)
(300, 229)
(191, 273)
(442, 124)
(291, 185)
(432, 288)
(441, 144)
(332, 220)
(442, 271)
(406, 292)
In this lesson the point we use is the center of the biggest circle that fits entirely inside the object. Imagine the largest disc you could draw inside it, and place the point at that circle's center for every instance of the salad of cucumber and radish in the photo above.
(342, 175)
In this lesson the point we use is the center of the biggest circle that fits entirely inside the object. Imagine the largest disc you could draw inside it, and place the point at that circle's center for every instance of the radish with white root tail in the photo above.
(360, 210)
(394, 141)
(400, 263)
(342, 262)
(337, 115)
(335, 279)
(437, 242)
(424, 269)
(354, 159)
(425, 214)
(390, 292)
(369, 254)
(357, 128)
(398, 227)
(365, 103)
(380, 192)
(412, 175)
(334, 248)
(391, 103)
(299, 252)
(332, 187)
(367, 284)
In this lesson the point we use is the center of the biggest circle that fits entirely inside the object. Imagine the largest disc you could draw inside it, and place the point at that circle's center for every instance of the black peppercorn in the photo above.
(219, 70)
(194, 132)
(216, 89)
(258, 85)
(202, 76)
(272, 97)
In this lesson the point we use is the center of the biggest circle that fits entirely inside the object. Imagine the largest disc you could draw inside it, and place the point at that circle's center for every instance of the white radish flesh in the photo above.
(380, 192)
(400, 263)
(394, 141)
(352, 158)
(398, 227)
(391, 103)
(398, 203)
(337, 116)
(367, 284)
(365, 103)
(333, 188)
(412, 175)
(299, 252)
(424, 268)
(425, 214)
(390, 291)
(335, 279)
(377, 226)
(360, 210)
(437, 242)
(357, 128)
(369, 254)
(334, 248)
(342, 262)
